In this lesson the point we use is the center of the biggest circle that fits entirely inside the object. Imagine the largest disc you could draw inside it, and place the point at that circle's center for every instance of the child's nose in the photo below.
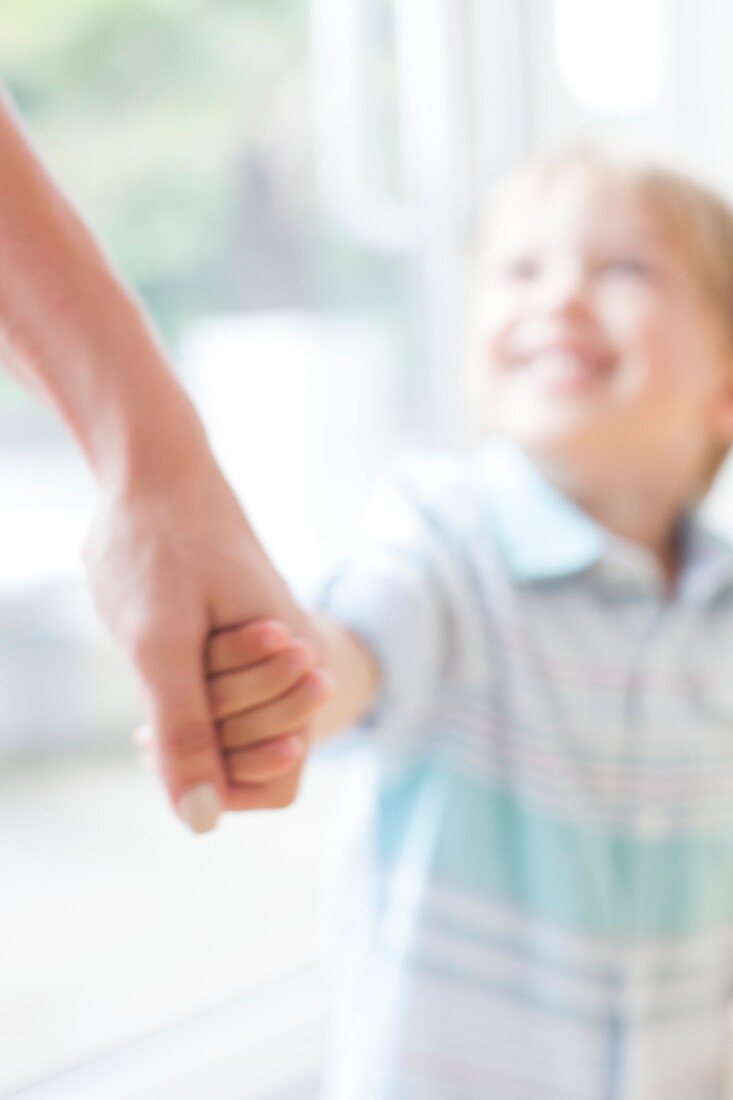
(567, 288)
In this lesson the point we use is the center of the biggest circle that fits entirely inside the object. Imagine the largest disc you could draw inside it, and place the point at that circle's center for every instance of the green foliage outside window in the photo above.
(182, 132)
(143, 109)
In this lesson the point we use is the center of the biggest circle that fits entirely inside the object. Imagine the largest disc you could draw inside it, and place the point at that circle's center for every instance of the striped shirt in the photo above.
(539, 905)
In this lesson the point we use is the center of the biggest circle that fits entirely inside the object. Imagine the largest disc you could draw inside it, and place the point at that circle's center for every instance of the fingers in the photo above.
(253, 764)
(252, 753)
(273, 795)
(143, 738)
(237, 647)
(262, 774)
(266, 760)
(283, 714)
(249, 687)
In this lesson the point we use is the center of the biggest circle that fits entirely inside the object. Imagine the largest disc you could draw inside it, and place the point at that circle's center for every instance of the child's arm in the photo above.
(355, 677)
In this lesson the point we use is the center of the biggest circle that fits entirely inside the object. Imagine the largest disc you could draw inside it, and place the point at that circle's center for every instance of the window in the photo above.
(612, 56)
(184, 133)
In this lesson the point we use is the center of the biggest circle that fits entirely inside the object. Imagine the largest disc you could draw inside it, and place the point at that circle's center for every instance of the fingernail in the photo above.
(290, 746)
(274, 636)
(200, 808)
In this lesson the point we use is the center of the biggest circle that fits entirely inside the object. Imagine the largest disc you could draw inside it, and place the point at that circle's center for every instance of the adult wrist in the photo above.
(151, 443)
(135, 423)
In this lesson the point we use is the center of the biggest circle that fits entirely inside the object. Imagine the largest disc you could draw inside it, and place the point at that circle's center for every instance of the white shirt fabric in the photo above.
(540, 904)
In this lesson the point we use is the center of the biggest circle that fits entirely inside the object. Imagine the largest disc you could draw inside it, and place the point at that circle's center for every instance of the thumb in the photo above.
(187, 750)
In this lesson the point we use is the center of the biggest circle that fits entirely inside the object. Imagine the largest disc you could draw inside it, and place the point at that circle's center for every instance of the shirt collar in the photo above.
(708, 563)
(543, 534)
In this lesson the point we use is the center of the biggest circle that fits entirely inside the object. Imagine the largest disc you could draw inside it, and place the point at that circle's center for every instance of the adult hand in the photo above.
(168, 561)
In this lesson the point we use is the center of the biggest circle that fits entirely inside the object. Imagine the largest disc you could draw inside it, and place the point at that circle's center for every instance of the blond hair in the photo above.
(695, 217)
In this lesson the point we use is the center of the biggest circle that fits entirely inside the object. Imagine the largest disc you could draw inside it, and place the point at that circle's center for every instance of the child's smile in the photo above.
(565, 362)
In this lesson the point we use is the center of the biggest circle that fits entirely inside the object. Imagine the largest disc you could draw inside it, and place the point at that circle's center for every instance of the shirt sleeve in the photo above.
(386, 589)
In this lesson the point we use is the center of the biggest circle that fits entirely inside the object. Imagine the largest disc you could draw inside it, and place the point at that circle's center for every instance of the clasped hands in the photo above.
(263, 685)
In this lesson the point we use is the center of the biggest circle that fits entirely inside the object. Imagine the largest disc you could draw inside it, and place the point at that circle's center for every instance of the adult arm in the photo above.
(170, 555)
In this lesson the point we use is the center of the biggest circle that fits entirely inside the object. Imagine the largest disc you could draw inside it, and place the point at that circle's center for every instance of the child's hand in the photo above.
(262, 686)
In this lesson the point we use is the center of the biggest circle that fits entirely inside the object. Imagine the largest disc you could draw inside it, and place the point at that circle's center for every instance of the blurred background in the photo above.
(288, 185)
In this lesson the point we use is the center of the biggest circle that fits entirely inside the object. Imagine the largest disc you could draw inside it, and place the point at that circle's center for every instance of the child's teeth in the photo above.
(561, 362)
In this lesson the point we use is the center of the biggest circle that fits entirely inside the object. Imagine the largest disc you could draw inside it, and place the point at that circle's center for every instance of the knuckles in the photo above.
(240, 692)
(275, 794)
(283, 794)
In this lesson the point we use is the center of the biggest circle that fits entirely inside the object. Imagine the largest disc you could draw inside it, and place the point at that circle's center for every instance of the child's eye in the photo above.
(626, 265)
(520, 269)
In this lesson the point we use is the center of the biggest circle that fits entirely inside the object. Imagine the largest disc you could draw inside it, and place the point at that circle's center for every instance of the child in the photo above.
(536, 640)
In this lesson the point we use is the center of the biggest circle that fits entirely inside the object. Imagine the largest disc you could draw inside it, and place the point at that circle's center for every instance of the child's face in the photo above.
(594, 336)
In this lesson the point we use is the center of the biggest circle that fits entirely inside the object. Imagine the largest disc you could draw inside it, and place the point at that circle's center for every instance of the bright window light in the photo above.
(612, 55)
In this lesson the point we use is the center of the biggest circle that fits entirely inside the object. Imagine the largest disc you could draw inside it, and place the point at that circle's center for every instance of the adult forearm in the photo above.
(74, 334)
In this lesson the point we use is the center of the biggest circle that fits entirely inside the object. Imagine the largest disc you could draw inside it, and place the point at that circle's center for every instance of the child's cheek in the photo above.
(636, 332)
